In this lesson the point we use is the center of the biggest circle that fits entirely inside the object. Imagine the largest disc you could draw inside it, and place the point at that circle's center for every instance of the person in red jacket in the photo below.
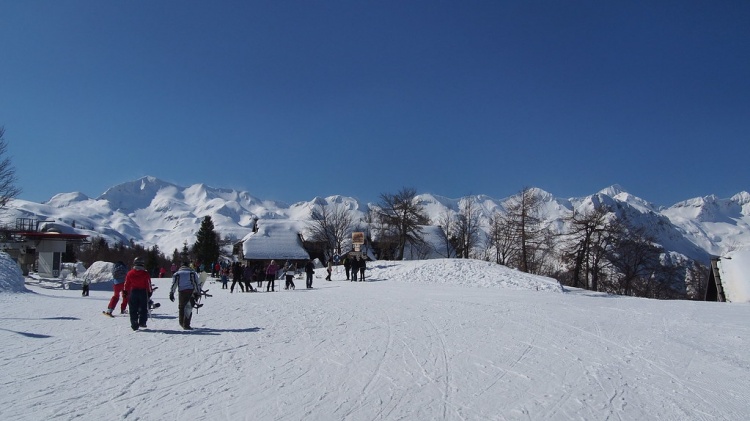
(138, 289)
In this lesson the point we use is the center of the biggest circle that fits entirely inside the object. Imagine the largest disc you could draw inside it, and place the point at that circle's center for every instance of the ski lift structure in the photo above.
(32, 242)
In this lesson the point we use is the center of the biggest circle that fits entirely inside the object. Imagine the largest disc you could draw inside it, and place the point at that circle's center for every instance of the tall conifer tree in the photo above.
(206, 247)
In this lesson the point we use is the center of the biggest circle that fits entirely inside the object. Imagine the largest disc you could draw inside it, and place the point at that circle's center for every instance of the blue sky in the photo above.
(295, 99)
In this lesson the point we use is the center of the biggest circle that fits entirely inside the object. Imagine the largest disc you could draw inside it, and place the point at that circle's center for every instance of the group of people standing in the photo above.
(354, 265)
(135, 288)
(289, 271)
(242, 275)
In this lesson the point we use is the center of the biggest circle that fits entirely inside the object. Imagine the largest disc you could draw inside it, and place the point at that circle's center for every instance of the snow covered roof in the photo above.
(734, 269)
(275, 239)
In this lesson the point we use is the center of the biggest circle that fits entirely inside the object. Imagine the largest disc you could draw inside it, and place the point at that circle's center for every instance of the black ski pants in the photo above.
(237, 281)
(271, 280)
(138, 307)
(183, 299)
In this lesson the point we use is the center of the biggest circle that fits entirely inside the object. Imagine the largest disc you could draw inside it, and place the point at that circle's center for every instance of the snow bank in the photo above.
(462, 272)
(11, 278)
(98, 276)
(98, 272)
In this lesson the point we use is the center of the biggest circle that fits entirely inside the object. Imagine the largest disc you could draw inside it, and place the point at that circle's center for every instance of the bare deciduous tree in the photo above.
(503, 238)
(467, 227)
(635, 257)
(8, 188)
(330, 225)
(584, 243)
(405, 217)
(524, 216)
(447, 222)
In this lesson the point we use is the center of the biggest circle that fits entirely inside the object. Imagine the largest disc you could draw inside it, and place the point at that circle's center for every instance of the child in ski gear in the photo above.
(309, 270)
(118, 278)
(329, 269)
(224, 278)
(138, 288)
(185, 281)
(271, 275)
(85, 288)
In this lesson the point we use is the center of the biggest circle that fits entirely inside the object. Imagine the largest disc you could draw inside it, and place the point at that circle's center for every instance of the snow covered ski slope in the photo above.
(438, 340)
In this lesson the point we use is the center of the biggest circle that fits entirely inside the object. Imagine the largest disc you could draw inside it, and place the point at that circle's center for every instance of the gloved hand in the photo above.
(171, 297)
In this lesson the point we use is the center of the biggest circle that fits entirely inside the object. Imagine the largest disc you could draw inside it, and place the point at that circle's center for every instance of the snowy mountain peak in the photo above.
(134, 195)
(65, 199)
(154, 212)
(612, 190)
(741, 198)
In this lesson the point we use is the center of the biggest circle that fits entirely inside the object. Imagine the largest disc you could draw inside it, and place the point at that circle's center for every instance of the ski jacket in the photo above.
(272, 269)
(310, 267)
(185, 280)
(138, 278)
(119, 272)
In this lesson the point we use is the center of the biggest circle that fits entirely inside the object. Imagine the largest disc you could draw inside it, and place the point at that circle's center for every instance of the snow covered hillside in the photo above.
(154, 212)
(438, 340)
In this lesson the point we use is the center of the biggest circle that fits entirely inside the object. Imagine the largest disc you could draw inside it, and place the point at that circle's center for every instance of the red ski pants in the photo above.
(116, 297)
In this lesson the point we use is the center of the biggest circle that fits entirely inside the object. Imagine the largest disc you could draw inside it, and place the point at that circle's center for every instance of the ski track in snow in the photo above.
(388, 349)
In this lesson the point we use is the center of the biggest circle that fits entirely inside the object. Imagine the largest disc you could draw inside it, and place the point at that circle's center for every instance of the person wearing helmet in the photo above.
(138, 289)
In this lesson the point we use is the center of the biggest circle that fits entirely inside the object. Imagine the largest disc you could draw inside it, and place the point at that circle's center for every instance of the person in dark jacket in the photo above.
(347, 265)
(237, 276)
(247, 277)
(309, 270)
(138, 289)
(362, 266)
(355, 268)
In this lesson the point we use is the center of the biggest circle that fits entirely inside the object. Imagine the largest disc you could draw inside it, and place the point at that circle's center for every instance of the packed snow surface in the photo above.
(429, 340)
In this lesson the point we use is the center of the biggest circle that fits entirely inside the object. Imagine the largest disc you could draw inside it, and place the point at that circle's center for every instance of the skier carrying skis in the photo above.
(289, 272)
(137, 291)
(185, 281)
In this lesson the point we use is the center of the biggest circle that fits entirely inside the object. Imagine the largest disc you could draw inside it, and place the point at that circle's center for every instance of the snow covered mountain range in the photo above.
(151, 212)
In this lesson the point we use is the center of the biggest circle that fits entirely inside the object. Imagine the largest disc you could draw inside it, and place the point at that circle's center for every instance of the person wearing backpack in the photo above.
(185, 281)
(118, 278)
